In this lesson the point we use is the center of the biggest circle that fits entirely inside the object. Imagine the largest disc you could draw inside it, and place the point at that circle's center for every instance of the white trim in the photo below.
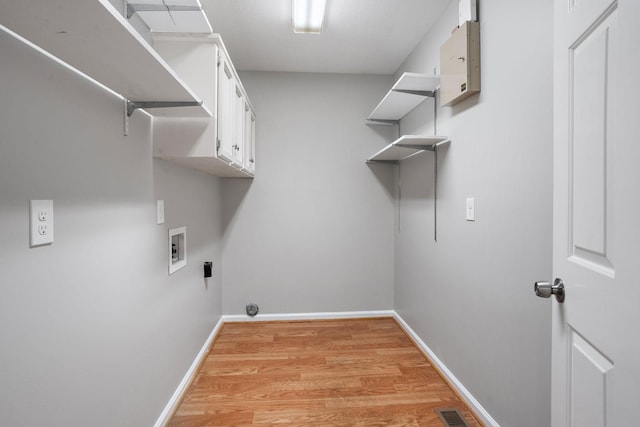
(308, 316)
(471, 401)
(485, 417)
(164, 417)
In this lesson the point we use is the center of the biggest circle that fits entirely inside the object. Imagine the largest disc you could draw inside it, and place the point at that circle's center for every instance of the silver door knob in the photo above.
(546, 289)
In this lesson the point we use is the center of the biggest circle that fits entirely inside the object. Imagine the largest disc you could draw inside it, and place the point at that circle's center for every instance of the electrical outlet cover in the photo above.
(41, 222)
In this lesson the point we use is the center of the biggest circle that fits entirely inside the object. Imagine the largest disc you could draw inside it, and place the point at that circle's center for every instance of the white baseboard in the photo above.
(166, 414)
(308, 316)
(471, 401)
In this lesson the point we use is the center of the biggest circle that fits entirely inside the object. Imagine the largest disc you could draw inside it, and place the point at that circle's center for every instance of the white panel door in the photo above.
(249, 139)
(238, 127)
(596, 250)
(226, 98)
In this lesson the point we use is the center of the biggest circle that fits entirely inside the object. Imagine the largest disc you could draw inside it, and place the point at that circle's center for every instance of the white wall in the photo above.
(314, 231)
(470, 295)
(93, 331)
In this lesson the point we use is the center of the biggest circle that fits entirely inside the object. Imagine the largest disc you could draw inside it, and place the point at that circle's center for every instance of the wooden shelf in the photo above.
(406, 146)
(409, 91)
(92, 37)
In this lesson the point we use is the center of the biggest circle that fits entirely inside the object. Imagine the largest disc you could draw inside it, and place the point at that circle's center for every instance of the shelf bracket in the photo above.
(417, 147)
(385, 162)
(131, 106)
(383, 121)
(133, 8)
(429, 93)
(134, 105)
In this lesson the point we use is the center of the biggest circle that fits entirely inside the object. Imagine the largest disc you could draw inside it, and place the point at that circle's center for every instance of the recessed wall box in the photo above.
(460, 64)
(177, 249)
(208, 267)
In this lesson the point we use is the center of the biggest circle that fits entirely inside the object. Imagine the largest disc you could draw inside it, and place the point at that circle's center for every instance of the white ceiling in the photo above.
(359, 36)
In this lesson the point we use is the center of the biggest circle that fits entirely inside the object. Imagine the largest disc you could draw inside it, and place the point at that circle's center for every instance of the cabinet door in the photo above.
(226, 88)
(249, 139)
(238, 126)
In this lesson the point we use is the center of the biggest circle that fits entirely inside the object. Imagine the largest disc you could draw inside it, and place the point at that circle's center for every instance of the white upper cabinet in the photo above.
(215, 145)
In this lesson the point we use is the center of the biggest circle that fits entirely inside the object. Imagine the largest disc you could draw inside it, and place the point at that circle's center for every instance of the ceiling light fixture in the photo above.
(308, 16)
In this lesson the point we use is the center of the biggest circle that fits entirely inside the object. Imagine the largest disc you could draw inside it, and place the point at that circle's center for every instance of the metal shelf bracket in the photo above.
(386, 162)
(134, 105)
(429, 93)
(131, 106)
(384, 121)
(418, 147)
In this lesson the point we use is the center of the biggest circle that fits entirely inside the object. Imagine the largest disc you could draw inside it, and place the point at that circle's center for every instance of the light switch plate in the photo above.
(471, 209)
(41, 222)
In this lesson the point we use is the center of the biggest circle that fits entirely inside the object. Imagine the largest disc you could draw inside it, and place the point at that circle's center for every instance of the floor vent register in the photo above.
(451, 418)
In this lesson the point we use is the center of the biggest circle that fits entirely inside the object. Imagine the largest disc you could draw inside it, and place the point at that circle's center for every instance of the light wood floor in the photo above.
(363, 372)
